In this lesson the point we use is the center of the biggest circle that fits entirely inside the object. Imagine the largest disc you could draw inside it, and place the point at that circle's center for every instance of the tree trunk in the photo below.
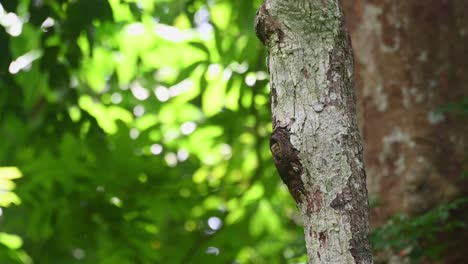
(410, 58)
(315, 142)
(410, 61)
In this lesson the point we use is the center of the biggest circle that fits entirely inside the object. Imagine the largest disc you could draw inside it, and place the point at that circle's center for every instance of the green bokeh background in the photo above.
(140, 129)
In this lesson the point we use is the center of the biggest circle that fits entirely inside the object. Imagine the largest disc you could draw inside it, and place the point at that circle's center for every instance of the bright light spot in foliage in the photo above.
(75, 113)
(170, 135)
(135, 29)
(124, 87)
(7, 196)
(78, 253)
(214, 69)
(164, 72)
(187, 128)
(226, 151)
(162, 93)
(24, 62)
(261, 75)
(11, 22)
(156, 149)
(138, 110)
(116, 201)
(202, 16)
(10, 173)
(209, 159)
(212, 251)
(139, 92)
(11, 241)
(116, 98)
(239, 68)
(118, 56)
(74, 82)
(205, 30)
(202, 22)
(227, 73)
(134, 133)
(171, 159)
(1, 211)
(288, 253)
(215, 223)
(172, 33)
(49, 22)
(182, 155)
(250, 79)
(180, 88)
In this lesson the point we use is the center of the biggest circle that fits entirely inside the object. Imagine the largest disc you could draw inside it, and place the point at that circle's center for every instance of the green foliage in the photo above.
(418, 236)
(456, 107)
(141, 131)
(10, 245)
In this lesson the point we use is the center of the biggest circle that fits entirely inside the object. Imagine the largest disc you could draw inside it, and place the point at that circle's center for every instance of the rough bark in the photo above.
(315, 142)
(410, 61)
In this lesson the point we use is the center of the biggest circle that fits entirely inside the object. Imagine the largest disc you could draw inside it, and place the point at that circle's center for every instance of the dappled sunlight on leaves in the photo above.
(141, 128)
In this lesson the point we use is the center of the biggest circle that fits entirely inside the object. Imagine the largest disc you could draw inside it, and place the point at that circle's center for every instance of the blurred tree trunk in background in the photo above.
(315, 142)
(410, 60)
